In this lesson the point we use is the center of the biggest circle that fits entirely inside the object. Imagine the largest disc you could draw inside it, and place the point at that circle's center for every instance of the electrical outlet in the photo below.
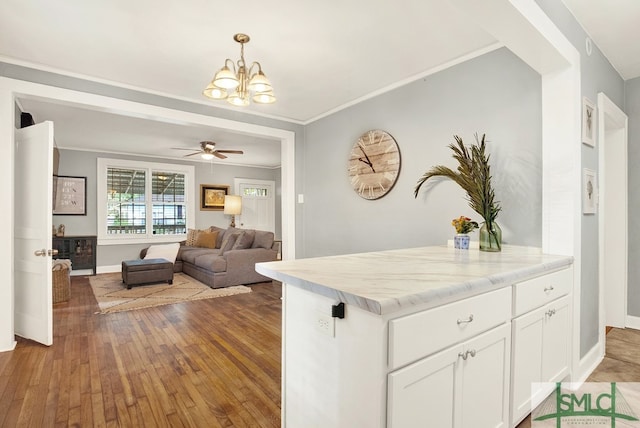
(326, 324)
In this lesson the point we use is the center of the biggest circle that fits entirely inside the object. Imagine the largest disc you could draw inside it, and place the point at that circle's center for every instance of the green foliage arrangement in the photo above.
(473, 175)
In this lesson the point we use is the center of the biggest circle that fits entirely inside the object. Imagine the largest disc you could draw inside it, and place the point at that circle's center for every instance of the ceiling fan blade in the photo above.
(192, 154)
(181, 148)
(237, 152)
(218, 155)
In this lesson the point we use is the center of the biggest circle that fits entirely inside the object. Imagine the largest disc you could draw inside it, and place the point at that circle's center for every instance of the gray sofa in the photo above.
(232, 265)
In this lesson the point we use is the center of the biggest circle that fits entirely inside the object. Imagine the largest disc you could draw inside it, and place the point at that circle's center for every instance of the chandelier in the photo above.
(238, 84)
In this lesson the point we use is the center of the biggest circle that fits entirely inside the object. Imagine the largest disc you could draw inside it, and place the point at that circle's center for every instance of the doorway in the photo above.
(613, 213)
(258, 203)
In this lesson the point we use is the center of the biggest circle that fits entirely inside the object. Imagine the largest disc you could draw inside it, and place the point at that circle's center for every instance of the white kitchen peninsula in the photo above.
(426, 337)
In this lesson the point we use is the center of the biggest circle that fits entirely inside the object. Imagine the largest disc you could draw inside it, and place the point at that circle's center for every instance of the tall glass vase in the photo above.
(490, 237)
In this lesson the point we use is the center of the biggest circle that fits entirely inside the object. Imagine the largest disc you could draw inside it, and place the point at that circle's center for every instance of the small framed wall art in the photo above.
(588, 122)
(212, 197)
(589, 191)
(69, 195)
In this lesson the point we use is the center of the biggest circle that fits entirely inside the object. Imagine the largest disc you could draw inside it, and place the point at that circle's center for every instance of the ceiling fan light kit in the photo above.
(238, 85)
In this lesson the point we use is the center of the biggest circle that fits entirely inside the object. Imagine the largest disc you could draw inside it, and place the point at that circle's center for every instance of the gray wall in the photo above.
(597, 75)
(632, 108)
(84, 164)
(496, 94)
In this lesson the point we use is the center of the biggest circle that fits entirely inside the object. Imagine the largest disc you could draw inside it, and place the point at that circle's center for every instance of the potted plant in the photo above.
(474, 176)
(463, 226)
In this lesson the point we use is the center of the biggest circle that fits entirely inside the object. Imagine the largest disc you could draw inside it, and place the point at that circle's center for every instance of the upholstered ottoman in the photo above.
(135, 272)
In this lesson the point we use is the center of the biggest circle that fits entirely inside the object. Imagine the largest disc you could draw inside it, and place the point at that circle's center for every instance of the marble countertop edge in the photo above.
(430, 296)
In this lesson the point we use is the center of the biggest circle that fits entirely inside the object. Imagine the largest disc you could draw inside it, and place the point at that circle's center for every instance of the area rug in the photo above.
(112, 295)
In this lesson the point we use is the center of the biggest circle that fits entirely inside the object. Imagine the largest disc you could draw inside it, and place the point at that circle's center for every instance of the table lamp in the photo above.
(233, 207)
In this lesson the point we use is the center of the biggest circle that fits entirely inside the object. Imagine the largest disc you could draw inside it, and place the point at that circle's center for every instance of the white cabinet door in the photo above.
(527, 361)
(540, 354)
(422, 394)
(484, 386)
(555, 347)
(463, 386)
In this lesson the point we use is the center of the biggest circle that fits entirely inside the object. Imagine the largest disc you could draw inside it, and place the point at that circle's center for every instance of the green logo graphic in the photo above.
(585, 407)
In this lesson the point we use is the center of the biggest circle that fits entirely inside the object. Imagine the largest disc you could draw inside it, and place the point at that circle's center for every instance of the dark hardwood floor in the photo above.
(207, 363)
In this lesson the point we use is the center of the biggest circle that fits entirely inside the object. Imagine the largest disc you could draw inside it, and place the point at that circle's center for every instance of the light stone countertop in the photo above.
(384, 282)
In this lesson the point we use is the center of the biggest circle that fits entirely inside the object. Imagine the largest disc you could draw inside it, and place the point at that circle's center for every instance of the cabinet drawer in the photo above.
(541, 290)
(418, 335)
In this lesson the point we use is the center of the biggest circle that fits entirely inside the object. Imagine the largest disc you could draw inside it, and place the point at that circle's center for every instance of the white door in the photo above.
(258, 204)
(33, 312)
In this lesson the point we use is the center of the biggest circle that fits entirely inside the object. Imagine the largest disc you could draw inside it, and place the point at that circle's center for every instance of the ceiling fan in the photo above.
(208, 151)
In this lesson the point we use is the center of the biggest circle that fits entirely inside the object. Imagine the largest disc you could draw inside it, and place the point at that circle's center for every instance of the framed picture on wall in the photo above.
(588, 122)
(589, 191)
(212, 197)
(69, 195)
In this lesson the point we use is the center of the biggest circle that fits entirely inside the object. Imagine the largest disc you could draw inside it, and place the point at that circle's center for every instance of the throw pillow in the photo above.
(228, 242)
(167, 251)
(263, 239)
(206, 239)
(192, 236)
(245, 239)
(220, 234)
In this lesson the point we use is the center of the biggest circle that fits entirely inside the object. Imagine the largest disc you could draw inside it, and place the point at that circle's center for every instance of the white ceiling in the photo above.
(614, 27)
(320, 57)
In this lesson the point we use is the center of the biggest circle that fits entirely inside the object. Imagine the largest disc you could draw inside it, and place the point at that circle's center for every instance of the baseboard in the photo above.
(81, 272)
(9, 346)
(109, 269)
(632, 322)
(588, 363)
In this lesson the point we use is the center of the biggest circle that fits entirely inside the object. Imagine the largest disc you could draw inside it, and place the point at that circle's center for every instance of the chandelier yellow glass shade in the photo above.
(238, 85)
(214, 92)
(259, 82)
(226, 79)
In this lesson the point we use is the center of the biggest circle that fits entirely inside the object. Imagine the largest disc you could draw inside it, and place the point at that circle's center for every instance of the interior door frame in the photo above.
(12, 90)
(29, 90)
(610, 118)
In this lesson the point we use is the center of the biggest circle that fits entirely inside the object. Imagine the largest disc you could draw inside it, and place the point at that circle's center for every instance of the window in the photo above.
(255, 192)
(143, 201)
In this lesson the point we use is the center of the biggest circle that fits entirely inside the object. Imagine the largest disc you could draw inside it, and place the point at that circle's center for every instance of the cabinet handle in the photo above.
(465, 321)
(551, 312)
(466, 354)
(550, 288)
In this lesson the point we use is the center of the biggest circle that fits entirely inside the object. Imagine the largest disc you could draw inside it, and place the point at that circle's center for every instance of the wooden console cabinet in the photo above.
(81, 250)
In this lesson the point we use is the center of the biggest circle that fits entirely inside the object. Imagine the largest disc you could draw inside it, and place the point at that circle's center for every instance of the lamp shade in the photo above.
(259, 82)
(226, 79)
(214, 92)
(233, 204)
(264, 97)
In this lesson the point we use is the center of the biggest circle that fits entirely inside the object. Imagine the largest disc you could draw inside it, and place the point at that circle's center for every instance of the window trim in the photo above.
(149, 167)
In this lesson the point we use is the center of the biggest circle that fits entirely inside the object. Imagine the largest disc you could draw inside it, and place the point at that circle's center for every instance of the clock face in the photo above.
(374, 164)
